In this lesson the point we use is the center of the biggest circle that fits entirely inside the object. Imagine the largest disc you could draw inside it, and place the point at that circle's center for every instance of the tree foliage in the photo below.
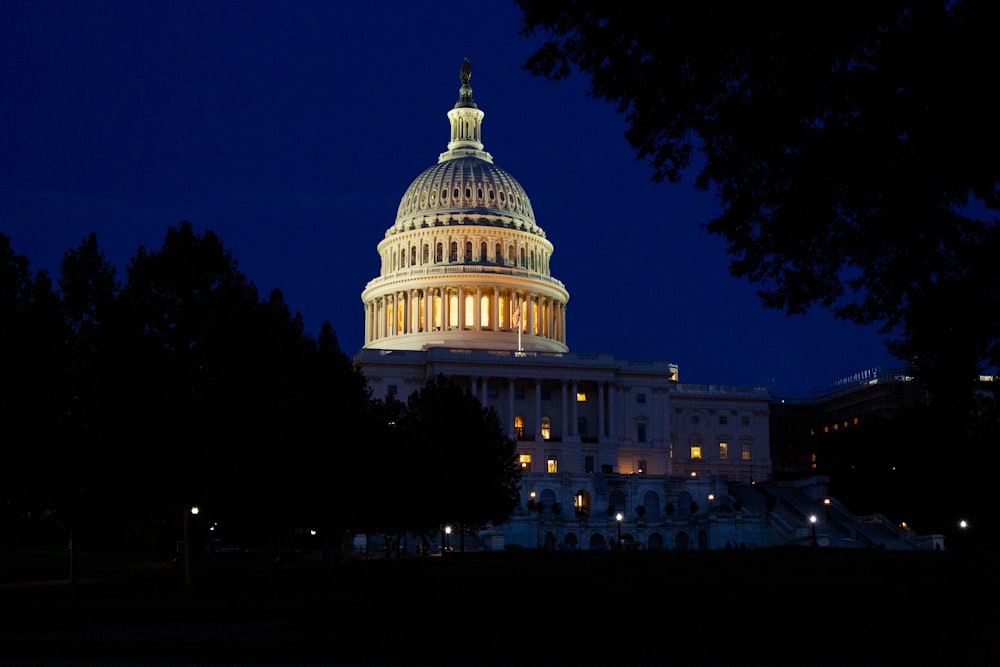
(125, 404)
(454, 461)
(851, 145)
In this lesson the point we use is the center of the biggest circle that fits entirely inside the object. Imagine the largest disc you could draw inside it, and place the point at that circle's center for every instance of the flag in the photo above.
(516, 320)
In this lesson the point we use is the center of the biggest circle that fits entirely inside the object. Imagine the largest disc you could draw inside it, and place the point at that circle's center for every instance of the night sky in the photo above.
(292, 129)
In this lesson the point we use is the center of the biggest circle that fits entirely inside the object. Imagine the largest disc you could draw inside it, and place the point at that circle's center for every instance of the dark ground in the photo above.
(768, 607)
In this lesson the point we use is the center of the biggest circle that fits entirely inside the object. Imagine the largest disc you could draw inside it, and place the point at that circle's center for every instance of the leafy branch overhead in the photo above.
(852, 147)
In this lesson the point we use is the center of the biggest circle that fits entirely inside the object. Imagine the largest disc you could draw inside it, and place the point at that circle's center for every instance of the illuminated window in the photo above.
(519, 427)
(695, 452)
(546, 428)
(723, 451)
(552, 465)
(470, 314)
(525, 461)
(581, 397)
(746, 451)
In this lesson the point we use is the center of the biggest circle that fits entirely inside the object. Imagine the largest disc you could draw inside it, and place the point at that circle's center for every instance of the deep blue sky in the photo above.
(292, 129)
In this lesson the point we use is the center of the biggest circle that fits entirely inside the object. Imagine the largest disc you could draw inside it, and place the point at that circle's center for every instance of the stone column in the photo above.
(510, 407)
(567, 427)
(538, 410)
(576, 418)
(477, 324)
(445, 309)
(600, 410)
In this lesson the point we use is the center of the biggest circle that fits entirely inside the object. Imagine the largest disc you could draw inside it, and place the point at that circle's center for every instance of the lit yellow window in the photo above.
(696, 452)
(581, 397)
(553, 466)
(525, 460)
(723, 451)
(746, 451)
(546, 428)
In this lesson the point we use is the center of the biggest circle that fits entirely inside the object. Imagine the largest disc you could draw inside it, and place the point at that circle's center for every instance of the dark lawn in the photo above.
(768, 607)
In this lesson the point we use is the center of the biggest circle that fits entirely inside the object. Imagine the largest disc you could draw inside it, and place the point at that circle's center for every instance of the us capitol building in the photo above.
(612, 451)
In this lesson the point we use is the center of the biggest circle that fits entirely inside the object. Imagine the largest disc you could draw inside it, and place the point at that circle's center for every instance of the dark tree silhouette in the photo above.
(32, 397)
(454, 461)
(850, 144)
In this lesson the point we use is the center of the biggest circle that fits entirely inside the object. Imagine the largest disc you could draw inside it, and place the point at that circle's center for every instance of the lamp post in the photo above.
(618, 518)
(187, 543)
(447, 537)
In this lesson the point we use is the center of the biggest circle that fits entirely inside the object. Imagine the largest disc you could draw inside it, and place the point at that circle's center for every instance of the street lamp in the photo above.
(618, 518)
(187, 543)
(447, 537)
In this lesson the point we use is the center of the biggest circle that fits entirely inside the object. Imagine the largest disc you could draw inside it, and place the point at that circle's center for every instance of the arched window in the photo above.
(498, 254)
(413, 255)
(439, 253)
(483, 251)
(468, 251)
(453, 252)
(426, 254)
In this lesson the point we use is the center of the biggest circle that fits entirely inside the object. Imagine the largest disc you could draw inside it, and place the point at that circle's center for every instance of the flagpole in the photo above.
(519, 349)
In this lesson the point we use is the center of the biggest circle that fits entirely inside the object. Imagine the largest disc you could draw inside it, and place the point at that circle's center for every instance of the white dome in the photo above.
(464, 265)
(465, 189)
